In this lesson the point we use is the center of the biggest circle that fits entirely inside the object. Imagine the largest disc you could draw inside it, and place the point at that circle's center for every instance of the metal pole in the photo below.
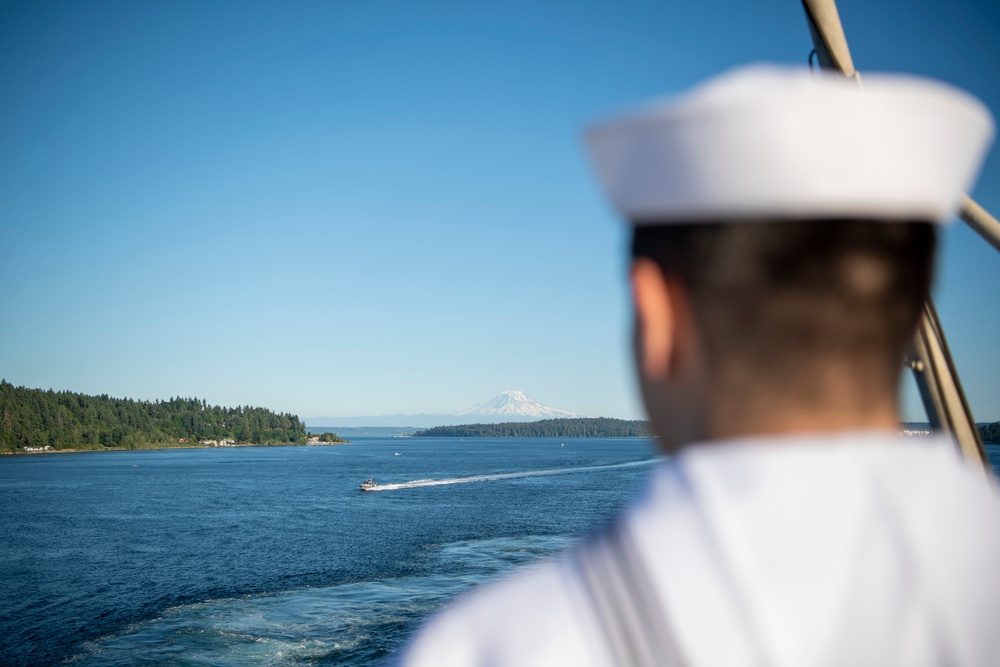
(828, 36)
(981, 221)
(931, 361)
(942, 394)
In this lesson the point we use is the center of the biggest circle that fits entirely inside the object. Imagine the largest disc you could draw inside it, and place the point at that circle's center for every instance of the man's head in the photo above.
(783, 242)
(770, 326)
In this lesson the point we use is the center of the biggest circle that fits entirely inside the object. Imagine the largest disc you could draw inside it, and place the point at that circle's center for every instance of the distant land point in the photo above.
(34, 421)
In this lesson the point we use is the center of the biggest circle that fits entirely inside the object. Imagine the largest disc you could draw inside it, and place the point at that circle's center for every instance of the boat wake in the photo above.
(356, 623)
(510, 475)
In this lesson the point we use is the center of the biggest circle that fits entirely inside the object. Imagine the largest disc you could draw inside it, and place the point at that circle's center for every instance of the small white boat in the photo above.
(369, 484)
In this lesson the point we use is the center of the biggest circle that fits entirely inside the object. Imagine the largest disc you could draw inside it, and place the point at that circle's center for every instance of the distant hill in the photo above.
(351, 431)
(34, 419)
(509, 406)
(584, 427)
(603, 427)
(411, 422)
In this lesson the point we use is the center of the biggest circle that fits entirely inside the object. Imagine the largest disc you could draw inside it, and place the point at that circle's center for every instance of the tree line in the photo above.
(990, 432)
(585, 427)
(35, 418)
(599, 427)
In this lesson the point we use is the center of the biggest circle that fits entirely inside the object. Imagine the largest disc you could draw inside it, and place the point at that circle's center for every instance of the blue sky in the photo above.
(375, 207)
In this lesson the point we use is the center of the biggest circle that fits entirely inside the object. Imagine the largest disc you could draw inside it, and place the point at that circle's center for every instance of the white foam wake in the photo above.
(341, 624)
(510, 475)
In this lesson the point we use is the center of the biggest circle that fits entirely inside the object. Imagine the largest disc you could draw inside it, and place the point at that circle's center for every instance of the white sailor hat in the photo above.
(766, 142)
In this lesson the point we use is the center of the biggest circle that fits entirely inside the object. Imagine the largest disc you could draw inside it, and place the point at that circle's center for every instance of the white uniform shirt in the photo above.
(852, 549)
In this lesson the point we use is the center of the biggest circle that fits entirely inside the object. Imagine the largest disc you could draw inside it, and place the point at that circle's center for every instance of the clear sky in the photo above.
(350, 208)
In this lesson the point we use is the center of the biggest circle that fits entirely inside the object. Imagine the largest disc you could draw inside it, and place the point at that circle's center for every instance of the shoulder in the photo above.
(890, 545)
(536, 617)
(947, 504)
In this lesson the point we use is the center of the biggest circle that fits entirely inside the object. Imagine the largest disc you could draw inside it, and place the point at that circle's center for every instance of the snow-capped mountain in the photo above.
(510, 406)
(513, 404)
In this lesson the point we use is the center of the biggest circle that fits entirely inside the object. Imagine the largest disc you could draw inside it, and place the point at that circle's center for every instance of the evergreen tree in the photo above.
(68, 420)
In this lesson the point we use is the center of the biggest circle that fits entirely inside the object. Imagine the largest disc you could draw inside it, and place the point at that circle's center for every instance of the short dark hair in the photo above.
(774, 298)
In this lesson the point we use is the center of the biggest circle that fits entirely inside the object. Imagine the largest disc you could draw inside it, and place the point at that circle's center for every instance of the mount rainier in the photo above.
(515, 406)
(509, 406)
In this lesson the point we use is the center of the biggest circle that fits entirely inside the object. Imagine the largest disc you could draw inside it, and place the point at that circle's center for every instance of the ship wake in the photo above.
(510, 475)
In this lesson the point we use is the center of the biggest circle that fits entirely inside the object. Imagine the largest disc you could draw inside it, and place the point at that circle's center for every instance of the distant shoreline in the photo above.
(160, 447)
(577, 427)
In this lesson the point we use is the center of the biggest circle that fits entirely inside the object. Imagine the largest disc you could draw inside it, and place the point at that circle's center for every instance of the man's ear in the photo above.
(655, 320)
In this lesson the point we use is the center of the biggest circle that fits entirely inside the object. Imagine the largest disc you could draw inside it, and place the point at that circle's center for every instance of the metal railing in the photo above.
(930, 360)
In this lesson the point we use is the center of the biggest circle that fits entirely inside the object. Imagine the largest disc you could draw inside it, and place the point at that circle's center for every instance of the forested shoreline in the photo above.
(36, 419)
(47, 420)
(583, 427)
(592, 427)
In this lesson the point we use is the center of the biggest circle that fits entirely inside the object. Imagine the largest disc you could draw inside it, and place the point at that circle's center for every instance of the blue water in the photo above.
(272, 556)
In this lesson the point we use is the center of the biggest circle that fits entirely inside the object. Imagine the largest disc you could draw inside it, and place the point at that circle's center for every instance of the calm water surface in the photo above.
(272, 556)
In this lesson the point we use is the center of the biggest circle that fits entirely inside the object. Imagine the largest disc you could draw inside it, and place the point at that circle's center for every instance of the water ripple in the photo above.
(351, 623)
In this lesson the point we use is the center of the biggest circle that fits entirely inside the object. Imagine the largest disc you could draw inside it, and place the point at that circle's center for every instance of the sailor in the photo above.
(783, 235)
